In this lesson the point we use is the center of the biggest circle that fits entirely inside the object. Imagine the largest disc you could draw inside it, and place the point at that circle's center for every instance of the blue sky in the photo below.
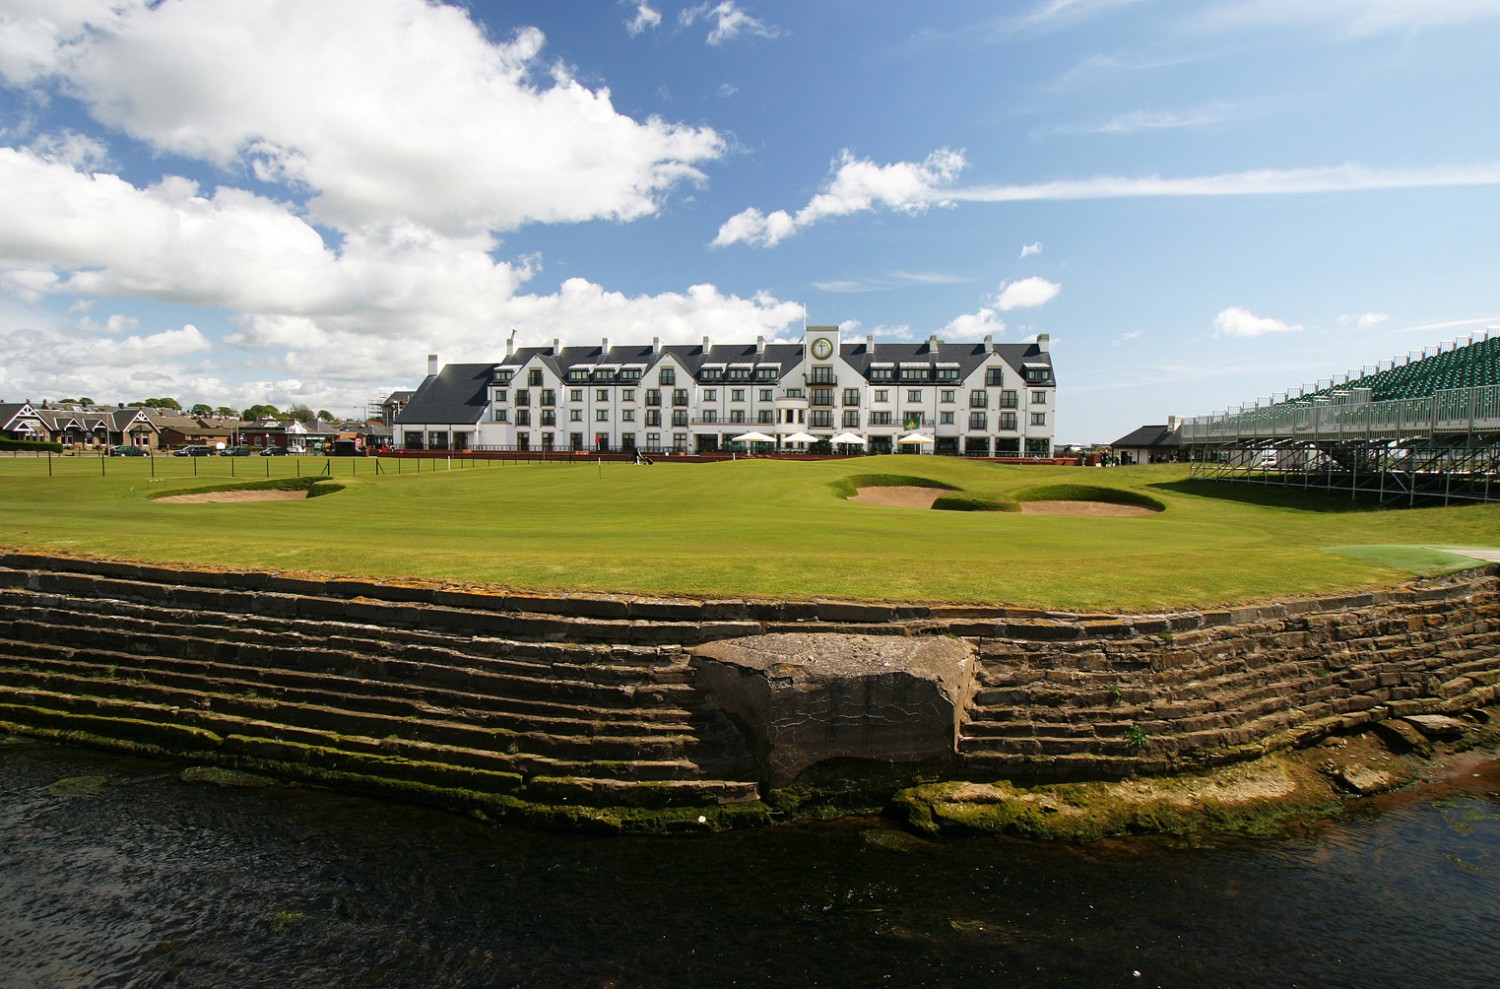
(295, 201)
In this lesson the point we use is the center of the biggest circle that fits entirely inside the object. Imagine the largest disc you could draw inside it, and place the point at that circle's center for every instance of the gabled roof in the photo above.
(11, 411)
(1149, 436)
(456, 395)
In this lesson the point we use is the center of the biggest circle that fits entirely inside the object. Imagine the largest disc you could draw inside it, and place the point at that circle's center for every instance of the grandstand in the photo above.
(1424, 427)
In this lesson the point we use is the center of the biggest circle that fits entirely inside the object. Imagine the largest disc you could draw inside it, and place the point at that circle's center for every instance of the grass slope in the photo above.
(753, 528)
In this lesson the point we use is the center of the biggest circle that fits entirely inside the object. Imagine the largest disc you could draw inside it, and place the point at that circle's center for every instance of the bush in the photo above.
(35, 446)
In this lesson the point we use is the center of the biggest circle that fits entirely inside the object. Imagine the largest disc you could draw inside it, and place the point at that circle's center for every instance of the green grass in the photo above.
(748, 528)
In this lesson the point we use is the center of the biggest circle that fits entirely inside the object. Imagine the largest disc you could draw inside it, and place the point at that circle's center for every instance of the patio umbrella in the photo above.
(911, 438)
(847, 437)
(800, 438)
(753, 438)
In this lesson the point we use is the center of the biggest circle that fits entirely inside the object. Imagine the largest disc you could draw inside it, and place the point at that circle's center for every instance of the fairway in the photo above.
(750, 528)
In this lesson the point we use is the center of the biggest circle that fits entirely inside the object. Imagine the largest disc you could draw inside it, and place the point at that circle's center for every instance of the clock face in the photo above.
(821, 348)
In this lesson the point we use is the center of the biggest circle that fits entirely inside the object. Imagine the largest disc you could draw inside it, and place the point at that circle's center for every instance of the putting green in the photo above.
(1424, 561)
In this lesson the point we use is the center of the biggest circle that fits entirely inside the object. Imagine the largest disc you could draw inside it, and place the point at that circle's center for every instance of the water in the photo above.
(142, 880)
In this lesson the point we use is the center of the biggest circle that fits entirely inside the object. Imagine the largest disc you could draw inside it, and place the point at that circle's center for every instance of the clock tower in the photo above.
(822, 343)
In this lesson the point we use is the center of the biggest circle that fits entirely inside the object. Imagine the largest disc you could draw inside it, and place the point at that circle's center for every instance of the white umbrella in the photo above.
(753, 438)
(847, 437)
(800, 438)
(911, 438)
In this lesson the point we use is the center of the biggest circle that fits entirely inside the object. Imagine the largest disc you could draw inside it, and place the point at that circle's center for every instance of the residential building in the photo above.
(976, 399)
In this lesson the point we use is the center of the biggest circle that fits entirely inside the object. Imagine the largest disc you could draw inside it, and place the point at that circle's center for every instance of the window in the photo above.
(947, 395)
(653, 396)
(994, 376)
(976, 420)
(765, 374)
(630, 375)
(822, 419)
(711, 373)
(534, 377)
(1008, 420)
(501, 415)
(523, 397)
(601, 394)
(710, 394)
(627, 415)
(549, 417)
(821, 376)
(736, 394)
(523, 417)
(851, 419)
(604, 374)
(549, 396)
(679, 418)
(709, 415)
(851, 396)
(739, 374)
(628, 395)
(668, 377)
(1037, 374)
(794, 393)
(1039, 418)
(503, 377)
(1038, 398)
(822, 396)
(765, 395)
(947, 374)
(601, 415)
(679, 396)
(880, 418)
(979, 399)
(653, 440)
(499, 394)
(766, 416)
(945, 418)
(576, 376)
(653, 417)
(736, 415)
(1007, 400)
(575, 394)
(882, 373)
(914, 395)
(915, 373)
(881, 395)
(575, 415)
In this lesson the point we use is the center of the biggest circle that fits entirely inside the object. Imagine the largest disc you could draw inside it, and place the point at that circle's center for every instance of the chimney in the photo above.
(432, 364)
(556, 346)
(989, 341)
(1041, 342)
(604, 347)
(870, 345)
(705, 345)
(656, 345)
(510, 345)
(760, 346)
(933, 342)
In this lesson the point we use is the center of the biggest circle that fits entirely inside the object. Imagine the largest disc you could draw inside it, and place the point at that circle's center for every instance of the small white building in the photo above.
(976, 399)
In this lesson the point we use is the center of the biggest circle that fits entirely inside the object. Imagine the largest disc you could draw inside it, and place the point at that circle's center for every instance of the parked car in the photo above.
(236, 451)
(127, 451)
(273, 451)
(194, 450)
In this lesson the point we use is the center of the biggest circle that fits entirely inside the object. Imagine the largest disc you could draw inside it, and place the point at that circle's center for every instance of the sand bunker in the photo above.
(899, 496)
(1093, 509)
(905, 496)
(226, 496)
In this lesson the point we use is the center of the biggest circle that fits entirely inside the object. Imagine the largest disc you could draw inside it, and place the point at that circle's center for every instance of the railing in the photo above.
(1462, 410)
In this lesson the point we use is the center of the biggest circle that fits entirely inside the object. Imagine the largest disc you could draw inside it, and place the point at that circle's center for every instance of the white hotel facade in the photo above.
(975, 399)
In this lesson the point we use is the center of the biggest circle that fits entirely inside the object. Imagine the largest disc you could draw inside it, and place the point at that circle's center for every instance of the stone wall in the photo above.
(616, 710)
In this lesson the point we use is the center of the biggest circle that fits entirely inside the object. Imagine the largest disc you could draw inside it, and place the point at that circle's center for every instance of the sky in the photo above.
(1201, 202)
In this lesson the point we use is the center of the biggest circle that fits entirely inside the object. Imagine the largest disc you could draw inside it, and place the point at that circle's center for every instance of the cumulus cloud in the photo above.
(1239, 322)
(729, 22)
(972, 326)
(857, 186)
(426, 131)
(1026, 293)
(645, 17)
(1027, 250)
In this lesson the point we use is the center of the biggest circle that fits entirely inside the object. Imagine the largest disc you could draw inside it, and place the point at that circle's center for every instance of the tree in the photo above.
(255, 412)
(159, 403)
(325, 415)
(301, 413)
(226, 412)
(201, 410)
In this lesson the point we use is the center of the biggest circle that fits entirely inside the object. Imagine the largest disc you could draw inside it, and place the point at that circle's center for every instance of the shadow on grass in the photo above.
(1274, 496)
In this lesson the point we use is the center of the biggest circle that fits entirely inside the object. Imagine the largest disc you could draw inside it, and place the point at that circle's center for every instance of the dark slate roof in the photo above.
(456, 394)
(1149, 436)
(968, 356)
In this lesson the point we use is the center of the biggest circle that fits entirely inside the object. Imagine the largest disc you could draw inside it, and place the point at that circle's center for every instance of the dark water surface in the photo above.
(142, 880)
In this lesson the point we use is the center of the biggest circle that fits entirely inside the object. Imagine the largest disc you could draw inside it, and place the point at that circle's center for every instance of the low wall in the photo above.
(606, 710)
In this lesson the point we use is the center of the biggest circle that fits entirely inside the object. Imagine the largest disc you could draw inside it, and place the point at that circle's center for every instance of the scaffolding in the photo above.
(1443, 445)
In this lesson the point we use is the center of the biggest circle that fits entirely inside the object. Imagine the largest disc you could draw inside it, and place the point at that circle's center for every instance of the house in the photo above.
(78, 425)
(1150, 444)
(976, 399)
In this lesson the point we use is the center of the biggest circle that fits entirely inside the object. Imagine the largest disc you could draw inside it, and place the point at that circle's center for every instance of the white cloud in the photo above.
(972, 326)
(645, 17)
(1239, 322)
(729, 22)
(1353, 17)
(1364, 320)
(1026, 293)
(857, 186)
(1054, 13)
(1125, 338)
(377, 108)
(1027, 250)
(1149, 120)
